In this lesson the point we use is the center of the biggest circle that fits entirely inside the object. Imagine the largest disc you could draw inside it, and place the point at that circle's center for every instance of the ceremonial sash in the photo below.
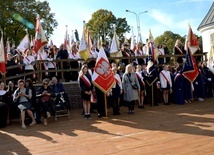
(165, 78)
(177, 76)
(179, 49)
(86, 81)
(44, 65)
(160, 52)
(34, 75)
(138, 76)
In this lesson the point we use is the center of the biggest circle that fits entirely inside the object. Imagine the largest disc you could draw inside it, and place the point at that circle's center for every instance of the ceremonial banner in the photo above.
(114, 50)
(24, 44)
(2, 57)
(152, 48)
(83, 48)
(190, 68)
(103, 77)
(191, 41)
(40, 39)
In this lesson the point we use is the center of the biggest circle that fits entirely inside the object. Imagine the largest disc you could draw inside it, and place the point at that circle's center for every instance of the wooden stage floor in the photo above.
(164, 130)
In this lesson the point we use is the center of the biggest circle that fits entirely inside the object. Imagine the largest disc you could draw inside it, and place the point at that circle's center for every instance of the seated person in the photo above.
(4, 106)
(61, 95)
(45, 94)
(22, 97)
(56, 86)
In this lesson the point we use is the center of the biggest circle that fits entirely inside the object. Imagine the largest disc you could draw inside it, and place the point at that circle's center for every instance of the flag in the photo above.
(133, 42)
(72, 38)
(190, 68)
(40, 39)
(211, 59)
(191, 41)
(114, 49)
(2, 57)
(152, 48)
(140, 38)
(31, 41)
(8, 46)
(103, 77)
(89, 42)
(83, 47)
(24, 44)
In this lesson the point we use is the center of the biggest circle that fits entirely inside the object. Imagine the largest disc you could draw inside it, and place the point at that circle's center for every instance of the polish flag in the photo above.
(2, 57)
(103, 77)
(40, 39)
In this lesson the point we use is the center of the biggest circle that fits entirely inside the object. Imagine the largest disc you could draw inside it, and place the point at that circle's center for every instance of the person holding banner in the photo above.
(131, 87)
(86, 90)
(115, 92)
(166, 83)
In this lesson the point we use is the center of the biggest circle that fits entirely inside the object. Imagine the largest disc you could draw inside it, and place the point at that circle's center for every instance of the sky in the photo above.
(162, 15)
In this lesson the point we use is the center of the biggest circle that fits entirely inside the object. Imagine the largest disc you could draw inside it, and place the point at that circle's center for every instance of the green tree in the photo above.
(17, 15)
(169, 38)
(102, 24)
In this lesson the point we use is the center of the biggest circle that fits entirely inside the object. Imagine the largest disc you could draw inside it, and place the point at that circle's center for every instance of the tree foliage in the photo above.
(169, 38)
(102, 24)
(13, 26)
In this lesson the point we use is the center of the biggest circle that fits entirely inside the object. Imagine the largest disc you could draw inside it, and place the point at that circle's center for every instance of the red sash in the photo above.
(27, 59)
(179, 49)
(140, 79)
(117, 81)
(86, 81)
(165, 78)
(43, 62)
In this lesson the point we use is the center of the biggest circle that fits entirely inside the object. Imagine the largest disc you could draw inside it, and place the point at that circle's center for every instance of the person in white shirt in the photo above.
(74, 64)
(142, 91)
(146, 51)
(166, 83)
(139, 52)
(51, 63)
(115, 92)
(93, 54)
(29, 62)
(42, 55)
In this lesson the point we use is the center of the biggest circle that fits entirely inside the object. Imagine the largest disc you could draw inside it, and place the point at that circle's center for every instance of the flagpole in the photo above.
(106, 105)
(152, 94)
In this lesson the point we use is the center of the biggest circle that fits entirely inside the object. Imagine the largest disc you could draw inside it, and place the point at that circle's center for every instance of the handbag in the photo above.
(134, 86)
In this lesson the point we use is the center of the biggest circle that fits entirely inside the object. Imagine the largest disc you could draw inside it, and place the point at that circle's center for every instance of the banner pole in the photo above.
(152, 95)
(105, 105)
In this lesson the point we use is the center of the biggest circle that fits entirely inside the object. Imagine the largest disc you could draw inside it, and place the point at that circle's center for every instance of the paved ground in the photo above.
(168, 130)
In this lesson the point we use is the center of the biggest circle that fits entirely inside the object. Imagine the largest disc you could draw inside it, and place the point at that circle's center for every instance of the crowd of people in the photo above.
(139, 81)
(37, 103)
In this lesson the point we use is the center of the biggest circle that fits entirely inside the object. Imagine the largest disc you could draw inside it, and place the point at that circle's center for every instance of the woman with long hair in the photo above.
(131, 87)
(86, 90)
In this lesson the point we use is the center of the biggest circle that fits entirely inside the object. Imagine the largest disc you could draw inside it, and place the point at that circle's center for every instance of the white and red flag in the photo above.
(2, 57)
(24, 45)
(190, 68)
(103, 77)
(191, 41)
(40, 39)
(133, 46)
